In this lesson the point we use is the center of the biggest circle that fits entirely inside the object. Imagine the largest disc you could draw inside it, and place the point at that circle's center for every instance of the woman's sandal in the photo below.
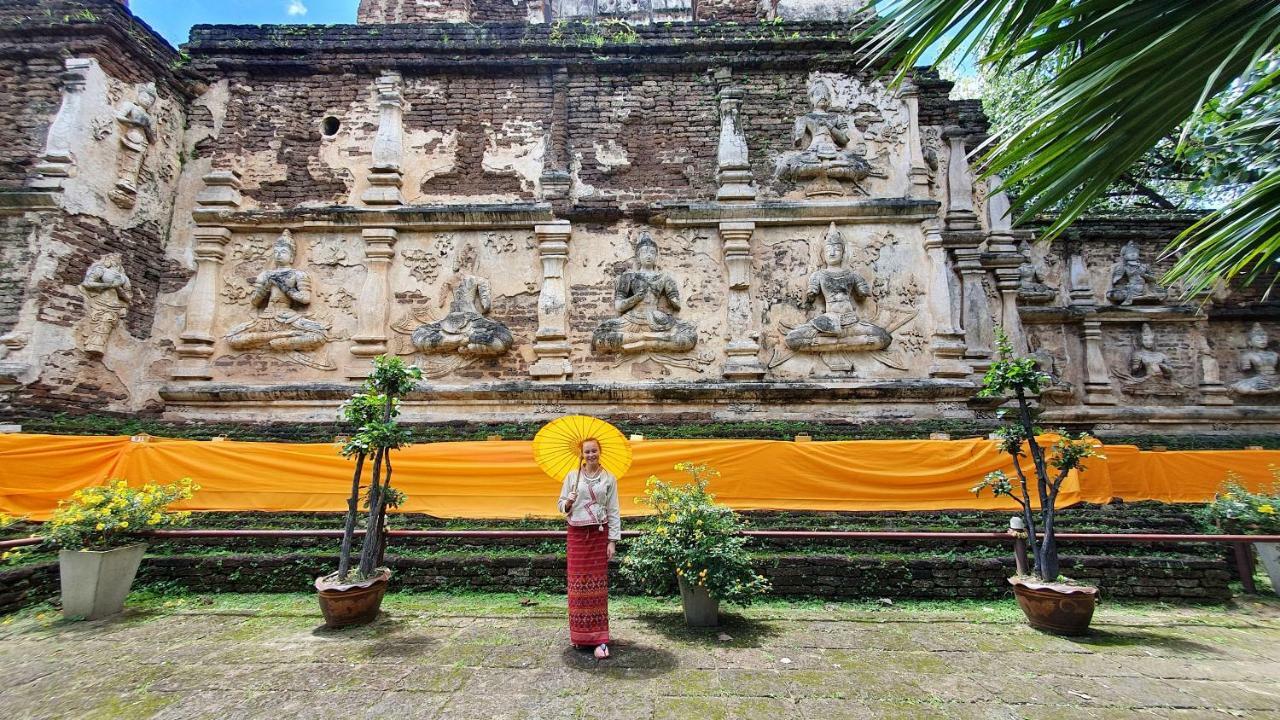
(602, 651)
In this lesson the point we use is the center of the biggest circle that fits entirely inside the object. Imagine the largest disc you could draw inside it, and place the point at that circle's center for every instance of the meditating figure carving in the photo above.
(1260, 361)
(136, 135)
(281, 294)
(1132, 280)
(838, 328)
(107, 294)
(464, 330)
(1149, 369)
(1032, 288)
(646, 300)
(829, 149)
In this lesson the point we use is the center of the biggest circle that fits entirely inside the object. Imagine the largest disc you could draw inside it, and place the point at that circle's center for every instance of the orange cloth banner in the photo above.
(500, 479)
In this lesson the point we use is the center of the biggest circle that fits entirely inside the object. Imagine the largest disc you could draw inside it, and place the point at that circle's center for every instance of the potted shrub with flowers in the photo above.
(352, 596)
(1051, 602)
(695, 545)
(1235, 509)
(97, 531)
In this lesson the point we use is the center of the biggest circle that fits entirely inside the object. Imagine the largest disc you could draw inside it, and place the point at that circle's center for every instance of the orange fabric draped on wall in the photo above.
(500, 479)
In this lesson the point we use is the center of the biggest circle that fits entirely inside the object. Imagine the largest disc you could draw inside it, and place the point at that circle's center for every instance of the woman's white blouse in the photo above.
(605, 488)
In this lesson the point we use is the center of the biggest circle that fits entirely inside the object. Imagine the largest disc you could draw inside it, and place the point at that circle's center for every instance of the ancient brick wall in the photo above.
(834, 577)
(25, 586)
(412, 11)
(16, 254)
(44, 253)
(727, 10)
(32, 92)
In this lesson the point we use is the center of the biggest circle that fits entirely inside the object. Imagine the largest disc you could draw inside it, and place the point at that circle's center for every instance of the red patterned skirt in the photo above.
(588, 576)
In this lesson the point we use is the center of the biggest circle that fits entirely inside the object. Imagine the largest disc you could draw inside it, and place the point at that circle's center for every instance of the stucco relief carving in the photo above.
(464, 330)
(1149, 370)
(107, 295)
(282, 295)
(1132, 281)
(839, 328)
(1258, 363)
(137, 132)
(646, 300)
(1051, 359)
(1033, 289)
(831, 153)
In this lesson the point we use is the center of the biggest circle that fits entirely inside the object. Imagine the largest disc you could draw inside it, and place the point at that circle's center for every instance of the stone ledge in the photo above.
(1163, 415)
(435, 217)
(795, 212)
(530, 392)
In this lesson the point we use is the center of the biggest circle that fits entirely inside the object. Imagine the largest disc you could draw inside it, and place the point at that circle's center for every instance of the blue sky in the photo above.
(173, 18)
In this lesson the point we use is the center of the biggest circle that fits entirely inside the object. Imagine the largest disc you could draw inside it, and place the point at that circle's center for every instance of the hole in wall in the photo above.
(329, 126)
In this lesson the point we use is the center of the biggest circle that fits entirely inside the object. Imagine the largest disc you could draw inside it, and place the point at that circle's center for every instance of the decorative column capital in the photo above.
(379, 243)
(211, 244)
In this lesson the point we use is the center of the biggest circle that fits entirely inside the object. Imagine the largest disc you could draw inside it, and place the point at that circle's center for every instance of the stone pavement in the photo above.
(489, 656)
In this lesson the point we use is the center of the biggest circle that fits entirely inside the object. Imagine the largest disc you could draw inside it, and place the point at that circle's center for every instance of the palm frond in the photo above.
(1140, 70)
(1239, 243)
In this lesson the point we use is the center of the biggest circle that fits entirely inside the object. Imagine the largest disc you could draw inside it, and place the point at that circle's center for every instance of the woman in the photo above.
(589, 500)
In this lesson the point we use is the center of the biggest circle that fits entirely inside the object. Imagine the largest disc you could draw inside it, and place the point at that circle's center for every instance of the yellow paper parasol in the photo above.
(557, 446)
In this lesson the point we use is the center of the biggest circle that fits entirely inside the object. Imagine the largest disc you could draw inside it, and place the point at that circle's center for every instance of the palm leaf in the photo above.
(1140, 70)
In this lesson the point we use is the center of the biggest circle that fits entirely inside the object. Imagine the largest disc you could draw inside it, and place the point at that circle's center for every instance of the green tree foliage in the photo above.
(1125, 76)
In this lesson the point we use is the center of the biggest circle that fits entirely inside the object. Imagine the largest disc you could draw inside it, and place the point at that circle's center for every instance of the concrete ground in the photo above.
(494, 656)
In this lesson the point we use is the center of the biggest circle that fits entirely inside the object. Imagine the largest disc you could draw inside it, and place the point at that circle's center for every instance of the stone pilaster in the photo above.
(370, 339)
(386, 175)
(918, 170)
(58, 161)
(742, 361)
(960, 208)
(195, 344)
(733, 170)
(551, 340)
(979, 333)
(947, 341)
(1097, 379)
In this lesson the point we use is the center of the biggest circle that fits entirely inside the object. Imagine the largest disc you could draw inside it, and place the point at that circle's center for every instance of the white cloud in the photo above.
(296, 8)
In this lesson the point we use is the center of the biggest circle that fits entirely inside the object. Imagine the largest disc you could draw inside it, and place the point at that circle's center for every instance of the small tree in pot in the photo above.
(1050, 602)
(696, 545)
(352, 596)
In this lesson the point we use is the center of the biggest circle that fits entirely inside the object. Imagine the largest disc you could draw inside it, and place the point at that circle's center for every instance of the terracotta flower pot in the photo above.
(1056, 608)
(346, 604)
(700, 609)
(96, 582)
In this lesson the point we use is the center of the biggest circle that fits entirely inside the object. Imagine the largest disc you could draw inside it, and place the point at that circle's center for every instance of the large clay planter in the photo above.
(352, 603)
(700, 609)
(1055, 607)
(1269, 553)
(96, 582)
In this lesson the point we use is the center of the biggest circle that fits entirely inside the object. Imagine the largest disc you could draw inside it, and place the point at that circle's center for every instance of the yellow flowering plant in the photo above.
(105, 516)
(1237, 509)
(16, 555)
(695, 539)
